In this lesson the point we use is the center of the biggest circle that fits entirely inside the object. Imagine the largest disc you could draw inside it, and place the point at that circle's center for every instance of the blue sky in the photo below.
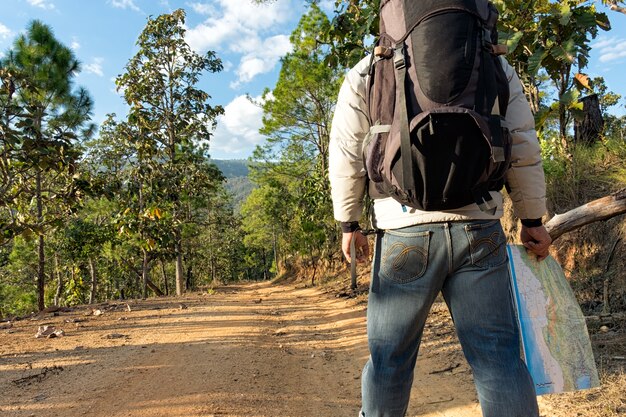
(250, 39)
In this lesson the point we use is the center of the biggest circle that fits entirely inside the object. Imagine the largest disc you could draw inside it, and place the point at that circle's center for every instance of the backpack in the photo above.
(436, 96)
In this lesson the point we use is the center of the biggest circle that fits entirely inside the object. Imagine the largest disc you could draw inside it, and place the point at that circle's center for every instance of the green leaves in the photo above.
(44, 118)
(565, 52)
(602, 20)
(535, 61)
(351, 32)
(551, 40)
(291, 209)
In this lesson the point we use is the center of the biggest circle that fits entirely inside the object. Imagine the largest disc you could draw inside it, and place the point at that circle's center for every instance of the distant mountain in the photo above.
(237, 182)
(232, 168)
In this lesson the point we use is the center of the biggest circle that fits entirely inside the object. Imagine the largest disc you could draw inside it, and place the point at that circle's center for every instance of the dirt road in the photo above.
(257, 349)
(247, 350)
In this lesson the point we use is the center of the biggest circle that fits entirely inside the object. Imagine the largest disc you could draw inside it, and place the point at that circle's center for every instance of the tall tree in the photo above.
(296, 120)
(50, 117)
(160, 86)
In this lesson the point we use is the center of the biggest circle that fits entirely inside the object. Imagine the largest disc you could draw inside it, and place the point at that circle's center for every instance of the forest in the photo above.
(135, 207)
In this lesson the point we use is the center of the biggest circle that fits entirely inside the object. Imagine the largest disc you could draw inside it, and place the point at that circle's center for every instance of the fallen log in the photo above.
(601, 209)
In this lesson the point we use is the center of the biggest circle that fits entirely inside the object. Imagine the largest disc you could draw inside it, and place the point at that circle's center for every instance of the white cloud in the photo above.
(95, 67)
(125, 4)
(203, 8)
(44, 4)
(75, 45)
(228, 65)
(610, 49)
(244, 28)
(237, 132)
(5, 32)
(262, 59)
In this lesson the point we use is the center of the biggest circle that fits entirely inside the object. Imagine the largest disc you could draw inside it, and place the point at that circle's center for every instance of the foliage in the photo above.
(44, 117)
(170, 121)
(584, 172)
(16, 301)
(352, 31)
(130, 204)
(142, 204)
(239, 189)
(290, 211)
(553, 38)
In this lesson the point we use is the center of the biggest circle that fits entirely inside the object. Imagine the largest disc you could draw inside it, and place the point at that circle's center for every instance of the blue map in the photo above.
(555, 341)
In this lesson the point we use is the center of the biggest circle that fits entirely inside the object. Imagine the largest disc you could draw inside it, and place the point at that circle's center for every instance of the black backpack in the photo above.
(436, 97)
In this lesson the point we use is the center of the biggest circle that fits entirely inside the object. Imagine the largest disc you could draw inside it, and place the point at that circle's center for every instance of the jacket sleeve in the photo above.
(525, 178)
(345, 162)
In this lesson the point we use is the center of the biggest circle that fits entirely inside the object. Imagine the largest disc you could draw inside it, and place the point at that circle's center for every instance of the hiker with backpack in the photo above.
(431, 126)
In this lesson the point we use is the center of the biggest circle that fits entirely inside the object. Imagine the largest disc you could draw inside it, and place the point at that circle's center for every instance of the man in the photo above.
(460, 253)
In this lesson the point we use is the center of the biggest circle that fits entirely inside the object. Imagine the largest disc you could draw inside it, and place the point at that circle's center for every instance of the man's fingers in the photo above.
(365, 250)
(539, 249)
(361, 246)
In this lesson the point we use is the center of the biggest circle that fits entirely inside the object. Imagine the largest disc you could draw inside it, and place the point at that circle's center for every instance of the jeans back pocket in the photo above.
(487, 243)
(404, 255)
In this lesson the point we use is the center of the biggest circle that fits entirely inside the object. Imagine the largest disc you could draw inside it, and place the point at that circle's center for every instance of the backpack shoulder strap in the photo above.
(399, 61)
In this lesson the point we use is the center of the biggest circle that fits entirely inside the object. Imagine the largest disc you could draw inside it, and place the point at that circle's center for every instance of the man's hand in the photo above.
(537, 240)
(360, 243)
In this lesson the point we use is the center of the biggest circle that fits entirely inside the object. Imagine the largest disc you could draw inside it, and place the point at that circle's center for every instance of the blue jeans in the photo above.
(467, 262)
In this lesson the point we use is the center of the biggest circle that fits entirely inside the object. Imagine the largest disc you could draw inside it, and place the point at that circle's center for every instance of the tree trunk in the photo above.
(213, 268)
(275, 249)
(589, 130)
(601, 209)
(140, 276)
(563, 117)
(180, 275)
(41, 273)
(144, 274)
(266, 273)
(167, 290)
(59, 291)
(190, 283)
(94, 280)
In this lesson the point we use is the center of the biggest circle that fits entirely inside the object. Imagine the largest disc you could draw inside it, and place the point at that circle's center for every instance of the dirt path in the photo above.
(246, 350)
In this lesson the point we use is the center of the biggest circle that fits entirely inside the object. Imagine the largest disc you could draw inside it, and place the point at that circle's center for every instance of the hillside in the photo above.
(232, 168)
(237, 182)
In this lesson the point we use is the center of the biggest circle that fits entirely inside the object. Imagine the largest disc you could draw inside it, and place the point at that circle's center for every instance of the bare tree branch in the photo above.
(601, 209)
(613, 6)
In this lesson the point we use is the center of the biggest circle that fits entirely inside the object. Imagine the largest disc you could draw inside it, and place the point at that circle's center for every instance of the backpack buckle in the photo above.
(383, 52)
(499, 50)
(487, 44)
(398, 58)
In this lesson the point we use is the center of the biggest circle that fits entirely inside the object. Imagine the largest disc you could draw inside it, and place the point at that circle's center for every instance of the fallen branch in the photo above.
(601, 209)
(38, 377)
(613, 6)
(606, 317)
(441, 371)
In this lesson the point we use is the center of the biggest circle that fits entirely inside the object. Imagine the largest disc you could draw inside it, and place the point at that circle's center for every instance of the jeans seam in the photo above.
(449, 247)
